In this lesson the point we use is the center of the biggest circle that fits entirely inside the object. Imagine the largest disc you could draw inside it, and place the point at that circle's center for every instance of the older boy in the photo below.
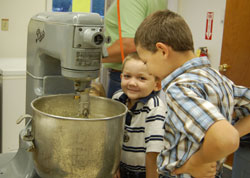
(200, 100)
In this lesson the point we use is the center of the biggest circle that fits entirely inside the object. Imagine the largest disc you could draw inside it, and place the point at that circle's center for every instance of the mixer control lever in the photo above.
(81, 85)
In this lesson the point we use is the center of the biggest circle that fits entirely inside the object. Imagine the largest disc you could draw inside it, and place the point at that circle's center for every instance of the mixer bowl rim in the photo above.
(74, 118)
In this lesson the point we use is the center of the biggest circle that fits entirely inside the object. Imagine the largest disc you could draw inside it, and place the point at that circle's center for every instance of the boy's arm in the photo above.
(243, 126)
(151, 167)
(220, 140)
(117, 174)
(242, 109)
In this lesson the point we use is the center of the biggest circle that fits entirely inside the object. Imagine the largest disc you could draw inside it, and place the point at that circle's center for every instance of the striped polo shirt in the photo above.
(143, 130)
(197, 96)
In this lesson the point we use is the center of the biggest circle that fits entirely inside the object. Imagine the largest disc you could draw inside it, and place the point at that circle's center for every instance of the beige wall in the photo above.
(13, 42)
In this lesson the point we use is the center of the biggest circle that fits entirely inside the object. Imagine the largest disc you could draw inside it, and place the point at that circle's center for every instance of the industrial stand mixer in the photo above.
(63, 56)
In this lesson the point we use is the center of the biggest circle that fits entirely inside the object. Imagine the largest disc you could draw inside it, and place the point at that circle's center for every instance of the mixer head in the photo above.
(86, 54)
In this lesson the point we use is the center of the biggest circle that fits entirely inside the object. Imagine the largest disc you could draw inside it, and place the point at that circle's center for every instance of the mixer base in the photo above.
(12, 167)
(17, 164)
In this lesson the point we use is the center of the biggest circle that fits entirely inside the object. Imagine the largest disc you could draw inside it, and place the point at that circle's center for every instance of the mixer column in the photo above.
(82, 89)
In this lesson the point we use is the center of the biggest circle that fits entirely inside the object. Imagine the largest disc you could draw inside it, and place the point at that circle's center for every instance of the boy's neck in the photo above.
(131, 103)
(180, 58)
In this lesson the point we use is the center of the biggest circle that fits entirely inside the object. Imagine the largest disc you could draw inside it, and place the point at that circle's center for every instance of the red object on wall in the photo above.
(209, 25)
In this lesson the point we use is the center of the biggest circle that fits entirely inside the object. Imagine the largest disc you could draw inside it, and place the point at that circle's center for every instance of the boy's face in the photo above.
(136, 81)
(156, 62)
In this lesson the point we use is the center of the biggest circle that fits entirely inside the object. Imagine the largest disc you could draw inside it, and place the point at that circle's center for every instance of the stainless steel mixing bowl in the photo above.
(70, 147)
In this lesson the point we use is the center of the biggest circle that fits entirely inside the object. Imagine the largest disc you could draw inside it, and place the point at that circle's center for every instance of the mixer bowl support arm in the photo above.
(26, 133)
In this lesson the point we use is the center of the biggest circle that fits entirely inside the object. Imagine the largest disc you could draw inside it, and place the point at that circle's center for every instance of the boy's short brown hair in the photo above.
(166, 27)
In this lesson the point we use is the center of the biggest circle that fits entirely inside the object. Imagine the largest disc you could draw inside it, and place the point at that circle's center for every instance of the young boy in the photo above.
(200, 101)
(143, 137)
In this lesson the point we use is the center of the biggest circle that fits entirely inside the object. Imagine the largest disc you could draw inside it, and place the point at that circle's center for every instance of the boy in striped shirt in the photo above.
(200, 101)
(143, 137)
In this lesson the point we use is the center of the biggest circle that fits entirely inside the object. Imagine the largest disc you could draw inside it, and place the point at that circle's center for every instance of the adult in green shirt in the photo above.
(132, 13)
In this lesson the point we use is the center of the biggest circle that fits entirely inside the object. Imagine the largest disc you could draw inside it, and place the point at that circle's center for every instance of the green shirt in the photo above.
(132, 13)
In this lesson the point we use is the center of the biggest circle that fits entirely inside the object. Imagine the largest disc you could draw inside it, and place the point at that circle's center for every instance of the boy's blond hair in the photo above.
(130, 56)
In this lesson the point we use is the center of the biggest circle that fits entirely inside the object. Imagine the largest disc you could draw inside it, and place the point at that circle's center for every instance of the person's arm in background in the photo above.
(151, 167)
(114, 51)
(220, 140)
(132, 13)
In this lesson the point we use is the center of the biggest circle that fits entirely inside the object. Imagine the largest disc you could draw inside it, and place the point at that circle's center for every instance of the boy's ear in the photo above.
(157, 85)
(162, 48)
(121, 76)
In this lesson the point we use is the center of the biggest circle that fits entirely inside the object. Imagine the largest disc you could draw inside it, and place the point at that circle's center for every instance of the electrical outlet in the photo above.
(5, 25)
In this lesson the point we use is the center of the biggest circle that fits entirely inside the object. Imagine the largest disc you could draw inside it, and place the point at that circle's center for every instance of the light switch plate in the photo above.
(5, 24)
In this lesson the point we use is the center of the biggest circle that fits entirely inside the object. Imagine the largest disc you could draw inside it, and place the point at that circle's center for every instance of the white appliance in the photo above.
(12, 88)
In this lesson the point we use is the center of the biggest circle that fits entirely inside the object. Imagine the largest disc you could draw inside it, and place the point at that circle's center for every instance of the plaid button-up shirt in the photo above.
(197, 96)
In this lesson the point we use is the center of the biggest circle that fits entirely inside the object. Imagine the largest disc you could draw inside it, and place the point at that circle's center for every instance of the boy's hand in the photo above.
(97, 89)
(117, 174)
(207, 170)
(221, 139)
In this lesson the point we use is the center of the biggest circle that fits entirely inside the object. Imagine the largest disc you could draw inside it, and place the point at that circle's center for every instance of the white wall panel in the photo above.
(195, 13)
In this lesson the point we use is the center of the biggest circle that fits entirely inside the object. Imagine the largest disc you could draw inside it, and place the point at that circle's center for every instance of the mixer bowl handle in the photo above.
(22, 117)
(26, 133)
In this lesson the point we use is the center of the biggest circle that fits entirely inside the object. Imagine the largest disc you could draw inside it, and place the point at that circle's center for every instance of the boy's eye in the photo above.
(145, 62)
(126, 76)
(143, 78)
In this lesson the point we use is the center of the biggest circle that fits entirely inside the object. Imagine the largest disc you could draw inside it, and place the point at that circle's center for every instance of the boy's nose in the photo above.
(132, 82)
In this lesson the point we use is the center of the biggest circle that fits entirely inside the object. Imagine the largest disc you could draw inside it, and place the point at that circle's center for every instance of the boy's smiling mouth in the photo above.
(133, 90)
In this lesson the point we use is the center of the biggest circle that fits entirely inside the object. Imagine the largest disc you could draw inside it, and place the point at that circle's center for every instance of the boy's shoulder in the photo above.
(117, 94)
(120, 96)
(156, 101)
